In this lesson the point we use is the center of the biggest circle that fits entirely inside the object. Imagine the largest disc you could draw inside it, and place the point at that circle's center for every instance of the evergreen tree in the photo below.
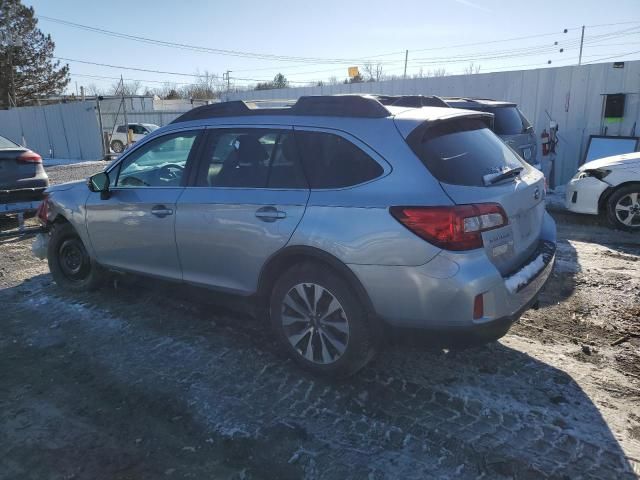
(27, 67)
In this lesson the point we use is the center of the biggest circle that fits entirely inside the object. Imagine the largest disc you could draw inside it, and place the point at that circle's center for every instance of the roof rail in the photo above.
(413, 101)
(365, 106)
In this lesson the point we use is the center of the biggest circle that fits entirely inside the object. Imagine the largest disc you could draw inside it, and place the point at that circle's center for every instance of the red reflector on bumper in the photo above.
(478, 307)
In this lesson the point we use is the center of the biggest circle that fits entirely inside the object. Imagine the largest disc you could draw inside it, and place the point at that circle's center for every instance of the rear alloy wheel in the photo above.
(320, 322)
(71, 266)
(315, 324)
(623, 208)
(117, 146)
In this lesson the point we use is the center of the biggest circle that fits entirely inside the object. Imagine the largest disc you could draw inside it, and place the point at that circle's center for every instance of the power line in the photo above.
(121, 67)
(103, 77)
(274, 57)
(614, 56)
(217, 51)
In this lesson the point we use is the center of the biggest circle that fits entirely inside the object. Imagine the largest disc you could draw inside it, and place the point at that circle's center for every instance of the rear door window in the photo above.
(251, 158)
(331, 161)
(462, 152)
(6, 143)
(508, 121)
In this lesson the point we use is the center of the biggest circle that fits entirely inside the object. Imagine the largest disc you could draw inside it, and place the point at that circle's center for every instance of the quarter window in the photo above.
(251, 158)
(159, 163)
(331, 161)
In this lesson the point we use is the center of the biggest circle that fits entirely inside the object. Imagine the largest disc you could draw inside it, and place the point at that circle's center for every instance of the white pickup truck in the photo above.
(139, 130)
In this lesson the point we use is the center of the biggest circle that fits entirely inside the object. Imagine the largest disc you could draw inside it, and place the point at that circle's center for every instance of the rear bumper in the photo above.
(439, 296)
(26, 192)
(459, 337)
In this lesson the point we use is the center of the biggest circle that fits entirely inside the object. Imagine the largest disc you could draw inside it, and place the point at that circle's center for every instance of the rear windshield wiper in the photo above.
(494, 178)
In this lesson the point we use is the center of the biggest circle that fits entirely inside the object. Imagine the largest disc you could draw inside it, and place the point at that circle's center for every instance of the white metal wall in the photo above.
(572, 96)
(160, 118)
(60, 131)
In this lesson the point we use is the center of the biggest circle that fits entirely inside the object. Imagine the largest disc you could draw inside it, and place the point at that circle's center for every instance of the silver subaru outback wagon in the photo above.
(342, 217)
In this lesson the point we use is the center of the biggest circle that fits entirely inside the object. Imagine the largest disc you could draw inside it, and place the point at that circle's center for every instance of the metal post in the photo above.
(12, 88)
(406, 57)
(581, 44)
(124, 110)
(104, 151)
(228, 82)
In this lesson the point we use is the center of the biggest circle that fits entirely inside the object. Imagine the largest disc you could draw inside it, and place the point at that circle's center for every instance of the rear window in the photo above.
(508, 121)
(6, 143)
(462, 152)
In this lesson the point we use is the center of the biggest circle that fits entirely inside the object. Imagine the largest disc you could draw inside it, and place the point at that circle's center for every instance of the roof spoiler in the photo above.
(412, 101)
(417, 133)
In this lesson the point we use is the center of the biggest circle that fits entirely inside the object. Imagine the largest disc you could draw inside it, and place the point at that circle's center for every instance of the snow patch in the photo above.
(51, 162)
(525, 274)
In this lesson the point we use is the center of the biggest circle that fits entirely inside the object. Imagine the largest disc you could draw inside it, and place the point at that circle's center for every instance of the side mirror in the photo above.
(99, 183)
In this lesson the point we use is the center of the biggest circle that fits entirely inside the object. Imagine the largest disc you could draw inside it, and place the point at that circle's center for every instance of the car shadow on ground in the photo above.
(171, 384)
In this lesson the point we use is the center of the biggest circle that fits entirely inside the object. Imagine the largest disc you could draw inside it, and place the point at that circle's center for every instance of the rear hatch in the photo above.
(474, 166)
(11, 169)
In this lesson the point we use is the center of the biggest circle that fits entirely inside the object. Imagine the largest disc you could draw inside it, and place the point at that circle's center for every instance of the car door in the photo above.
(134, 228)
(246, 198)
(138, 132)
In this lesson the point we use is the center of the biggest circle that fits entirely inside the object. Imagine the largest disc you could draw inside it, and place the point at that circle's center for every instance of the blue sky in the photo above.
(447, 34)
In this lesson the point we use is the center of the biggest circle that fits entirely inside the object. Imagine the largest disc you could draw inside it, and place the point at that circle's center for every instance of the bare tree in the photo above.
(420, 74)
(130, 88)
(93, 90)
(438, 72)
(333, 80)
(207, 86)
(168, 91)
(472, 69)
(373, 73)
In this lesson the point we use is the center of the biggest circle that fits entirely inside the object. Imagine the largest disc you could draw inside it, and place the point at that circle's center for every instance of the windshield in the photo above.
(508, 121)
(151, 127)
(6, 143)
(464, 152)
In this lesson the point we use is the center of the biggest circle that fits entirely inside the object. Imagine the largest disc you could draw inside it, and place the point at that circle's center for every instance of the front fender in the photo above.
(69, 205)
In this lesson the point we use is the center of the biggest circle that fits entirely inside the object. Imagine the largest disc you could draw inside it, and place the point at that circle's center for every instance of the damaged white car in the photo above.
(611, 186)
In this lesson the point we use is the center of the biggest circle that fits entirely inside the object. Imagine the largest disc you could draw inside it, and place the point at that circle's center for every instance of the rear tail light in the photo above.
(43, 211)
(456, 227)
(29, 157)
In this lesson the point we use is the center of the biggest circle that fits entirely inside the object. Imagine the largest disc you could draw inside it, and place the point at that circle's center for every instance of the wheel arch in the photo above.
(293, 255)
(604, 197)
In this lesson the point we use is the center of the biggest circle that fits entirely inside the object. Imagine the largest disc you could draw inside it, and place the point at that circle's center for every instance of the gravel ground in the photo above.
(144, 380)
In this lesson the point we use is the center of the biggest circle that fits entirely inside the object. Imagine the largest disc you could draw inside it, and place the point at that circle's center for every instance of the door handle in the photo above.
(270, 214)
(161, 211)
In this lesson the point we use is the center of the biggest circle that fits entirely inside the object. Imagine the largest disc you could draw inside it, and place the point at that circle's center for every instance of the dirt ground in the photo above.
(142, 380)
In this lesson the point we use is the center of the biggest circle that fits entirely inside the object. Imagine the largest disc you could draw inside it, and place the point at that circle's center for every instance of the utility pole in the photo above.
(124, 109)
(12, 89)
(105, 147)
(226, 76)
(581, 44)
(406, 57)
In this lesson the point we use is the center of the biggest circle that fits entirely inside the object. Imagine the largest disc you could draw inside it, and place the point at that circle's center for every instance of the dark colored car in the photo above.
(509, 123)
(22, 176)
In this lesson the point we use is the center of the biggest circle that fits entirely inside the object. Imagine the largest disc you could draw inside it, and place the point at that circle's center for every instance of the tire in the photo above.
(337, 345)
(623, 208)
(117, 146)
(71, 266)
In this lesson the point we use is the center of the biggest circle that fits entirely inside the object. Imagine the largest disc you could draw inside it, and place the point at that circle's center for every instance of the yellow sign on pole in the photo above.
(353, 72)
